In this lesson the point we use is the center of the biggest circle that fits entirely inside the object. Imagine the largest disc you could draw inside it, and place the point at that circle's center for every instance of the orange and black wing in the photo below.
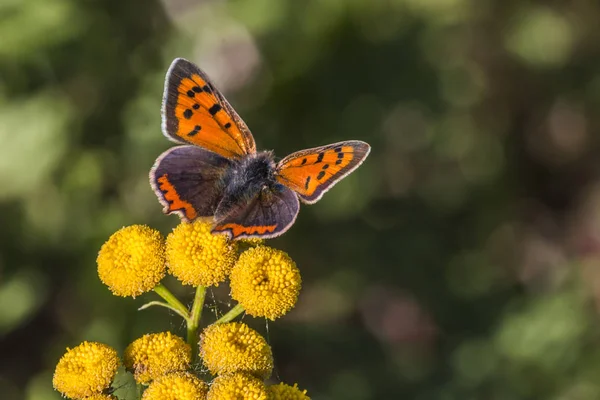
(195, 112)
(312, 172)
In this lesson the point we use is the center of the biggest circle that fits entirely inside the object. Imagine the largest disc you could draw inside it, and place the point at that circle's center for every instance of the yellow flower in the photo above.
(157, 354)
(197, 257)
(235, 347)
(132, 261)
(85, 370)
(176, 386)
(251, 242)
(286, 392)
(101, 396)
(266, 282)
(237, 387)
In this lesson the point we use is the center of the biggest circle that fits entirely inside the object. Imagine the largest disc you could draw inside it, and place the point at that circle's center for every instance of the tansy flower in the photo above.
(132, 261)
(101, 396)
(237, 387)
(235, 347)
(286, 392)
(266, 282)
(85, 370)
(197, 257)
(176, 386)
(157, 354)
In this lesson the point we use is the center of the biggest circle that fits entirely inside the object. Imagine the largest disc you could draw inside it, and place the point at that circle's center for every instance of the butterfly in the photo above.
(217, 172)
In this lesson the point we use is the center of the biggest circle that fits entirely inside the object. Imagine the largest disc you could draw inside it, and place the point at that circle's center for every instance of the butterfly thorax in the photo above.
(246, 178)
(251, 172)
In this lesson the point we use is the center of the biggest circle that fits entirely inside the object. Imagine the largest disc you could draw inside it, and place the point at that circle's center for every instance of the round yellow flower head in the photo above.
(197, 257)
(286, 392)
(86, 370)
(176, 386)
(132, 261)
(101, 396)
(266, 282)
(235, 347)
(237, 386)
(157, 354)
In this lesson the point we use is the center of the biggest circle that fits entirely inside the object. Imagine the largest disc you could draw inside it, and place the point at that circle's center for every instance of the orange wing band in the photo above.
(175, 202)
(238, 230)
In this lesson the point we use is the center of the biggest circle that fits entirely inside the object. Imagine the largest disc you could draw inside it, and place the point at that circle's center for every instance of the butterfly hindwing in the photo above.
(312, 172)
(188, 181)
(195, 112)
(268, 214)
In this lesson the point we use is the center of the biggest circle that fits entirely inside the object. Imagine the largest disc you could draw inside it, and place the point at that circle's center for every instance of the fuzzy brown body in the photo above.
(246, 178)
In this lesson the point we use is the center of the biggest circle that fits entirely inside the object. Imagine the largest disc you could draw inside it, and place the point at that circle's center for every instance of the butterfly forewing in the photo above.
(195, 112)
(312, 172)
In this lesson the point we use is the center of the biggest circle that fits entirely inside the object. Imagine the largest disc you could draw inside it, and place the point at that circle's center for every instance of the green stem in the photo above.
(163, 292)
(231, 314)
(193, 321)
(161, 304)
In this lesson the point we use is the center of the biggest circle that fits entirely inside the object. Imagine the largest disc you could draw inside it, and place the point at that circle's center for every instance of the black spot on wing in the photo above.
(338, 149)
(320, 157)
(340, 155)
(228, 125)
(338, 162)
(214, 109)
(321, 175)
(196, 106)
(195, 131)
(188, 113)
(307, 182)
(197, 89)
(325, 166)
(207, 89)
(303, 161)
(191, 93)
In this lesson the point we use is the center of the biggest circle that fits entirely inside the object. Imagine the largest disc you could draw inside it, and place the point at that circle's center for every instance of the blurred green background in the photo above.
(461, 261)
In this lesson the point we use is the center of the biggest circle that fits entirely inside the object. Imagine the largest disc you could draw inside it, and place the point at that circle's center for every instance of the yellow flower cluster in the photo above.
(282, 391)
(197, 257)
(155, 355)
(176, 386)
(237, 386)
(235, 347)
(266, 282)
(86, 370)
(132, 261)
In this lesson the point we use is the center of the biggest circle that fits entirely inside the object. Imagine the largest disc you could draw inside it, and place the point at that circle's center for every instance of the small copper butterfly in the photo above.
(218, 173)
